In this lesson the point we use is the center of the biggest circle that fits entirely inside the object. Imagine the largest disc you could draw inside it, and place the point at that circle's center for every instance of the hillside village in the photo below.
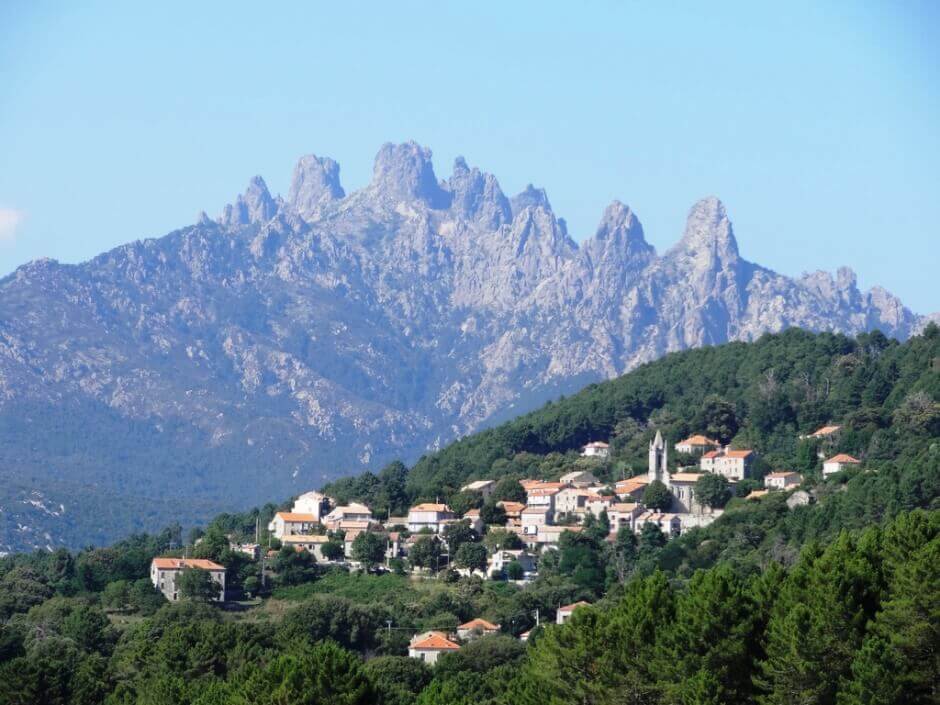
(505, 540)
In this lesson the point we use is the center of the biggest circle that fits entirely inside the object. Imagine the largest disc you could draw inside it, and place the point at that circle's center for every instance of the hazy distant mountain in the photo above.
(292, 340)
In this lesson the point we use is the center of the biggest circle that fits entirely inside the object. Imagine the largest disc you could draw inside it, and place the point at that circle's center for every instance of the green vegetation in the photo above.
(831, 602)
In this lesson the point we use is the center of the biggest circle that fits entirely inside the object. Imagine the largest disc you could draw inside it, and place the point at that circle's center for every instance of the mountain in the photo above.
(290, 341)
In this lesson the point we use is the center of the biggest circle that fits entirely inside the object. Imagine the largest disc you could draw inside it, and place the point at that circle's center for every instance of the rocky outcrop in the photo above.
(293, 340)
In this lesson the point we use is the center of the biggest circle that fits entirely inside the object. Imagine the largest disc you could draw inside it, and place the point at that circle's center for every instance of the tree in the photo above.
(508, 489)
(651, 538)
(657, 496)
(514, 570)
(712, 490)
(496, 539)
(398, 679)
(471, 556)
(323, 673)
(294, 567)
(197, 585)
(624, 554)
(717, 418)
(462, 502)
(368, 548)
(332, 550)
(493, 514)
(579, 557)
(425, 552)
(252, 585)
(457, 534)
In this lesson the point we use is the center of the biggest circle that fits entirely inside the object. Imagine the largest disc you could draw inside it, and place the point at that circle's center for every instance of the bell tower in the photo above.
(658, 463)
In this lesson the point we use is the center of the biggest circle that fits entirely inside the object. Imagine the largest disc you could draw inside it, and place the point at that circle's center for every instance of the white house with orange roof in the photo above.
(543, 495)
(596, 449)
(632, 488)
(342, 515)
(782, 480)
(476, 521)
(290, 523)
(564, 613)
(696, 445)
(733, 464)
(315, 503)
(826, 432)
(165, 571)
(475, 628)
(429, 515)
(429, 646)
(839, 462)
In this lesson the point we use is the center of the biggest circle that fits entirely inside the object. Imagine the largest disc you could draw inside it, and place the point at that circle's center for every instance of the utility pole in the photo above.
(536, 617)
(389, 623)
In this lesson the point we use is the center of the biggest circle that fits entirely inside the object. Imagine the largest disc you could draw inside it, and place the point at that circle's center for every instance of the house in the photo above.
(733, 464)
(596, 504)
(503, 557)
(314, 503)
(347, 513)
(838, 463)
(782, 480)
(670, 524)
(564, 613)
(513, 512)
(632, 489)
(682, 486)
(482, 487)
(696, 445)
(429, 646)
(528, 484)
(312, 543)
(596, 449)
(533, 518)
(290, 523)
(429, 516)
(252, 550)
(544, 495)
(571, 500)
(165, 571)
(824, 433)
(578, 478)
(548, 536)
(623, 514)
(476, 627)
(476, 521)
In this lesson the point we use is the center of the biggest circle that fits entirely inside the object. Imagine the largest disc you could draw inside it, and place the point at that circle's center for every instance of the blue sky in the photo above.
(816, 123)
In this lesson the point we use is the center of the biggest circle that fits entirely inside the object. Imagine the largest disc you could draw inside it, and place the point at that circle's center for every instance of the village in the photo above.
(351, 536)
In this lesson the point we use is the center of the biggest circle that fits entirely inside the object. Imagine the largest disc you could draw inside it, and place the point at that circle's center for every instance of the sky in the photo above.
(817, 124)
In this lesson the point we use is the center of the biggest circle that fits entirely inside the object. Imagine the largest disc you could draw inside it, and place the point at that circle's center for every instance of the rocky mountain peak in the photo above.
(404, 172)
(531, 197)
(708, 238)
(619, 238)
(252, 207)
(477, 196)
(315, 183)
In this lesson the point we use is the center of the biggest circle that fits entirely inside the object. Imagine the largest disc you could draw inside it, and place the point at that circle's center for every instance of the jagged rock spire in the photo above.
(531, 197)
(254, 206)
(404, 172)
(708, 233)
(314, 184)
(477, 196)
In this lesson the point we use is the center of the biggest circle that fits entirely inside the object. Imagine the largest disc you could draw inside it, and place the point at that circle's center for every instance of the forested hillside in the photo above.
(831, 602)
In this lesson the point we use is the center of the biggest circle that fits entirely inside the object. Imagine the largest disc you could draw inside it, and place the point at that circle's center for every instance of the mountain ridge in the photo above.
(308, 337)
